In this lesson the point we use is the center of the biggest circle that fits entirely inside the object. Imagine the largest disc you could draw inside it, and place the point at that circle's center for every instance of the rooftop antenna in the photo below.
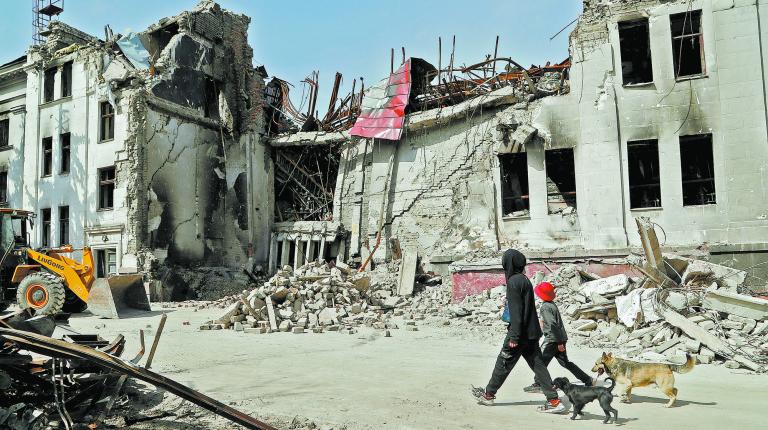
(44, 12)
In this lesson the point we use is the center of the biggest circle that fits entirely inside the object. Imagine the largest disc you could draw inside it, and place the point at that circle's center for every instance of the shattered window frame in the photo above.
(514, 204)
(560, 194)
(644, 174)
(697, 170)
(45, 230)
(5, 133)
(678, 24)
(63, 225)
(49, 85)
(66, 80)
(107, 180)
(630, 72)
(106, 122)
(47, 154)
(65, 147)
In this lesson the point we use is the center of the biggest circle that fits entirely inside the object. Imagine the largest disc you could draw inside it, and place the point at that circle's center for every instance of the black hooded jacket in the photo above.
(523, 319)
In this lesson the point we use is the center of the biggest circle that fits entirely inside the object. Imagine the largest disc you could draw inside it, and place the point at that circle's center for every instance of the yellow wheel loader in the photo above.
(50, 282)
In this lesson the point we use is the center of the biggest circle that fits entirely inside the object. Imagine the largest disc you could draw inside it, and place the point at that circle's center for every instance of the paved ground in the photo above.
(413, 380)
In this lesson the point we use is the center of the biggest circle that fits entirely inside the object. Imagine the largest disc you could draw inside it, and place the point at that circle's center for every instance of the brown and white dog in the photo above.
(632, 374)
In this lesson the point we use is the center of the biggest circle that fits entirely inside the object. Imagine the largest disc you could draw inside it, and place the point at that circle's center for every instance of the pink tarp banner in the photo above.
(382, 113)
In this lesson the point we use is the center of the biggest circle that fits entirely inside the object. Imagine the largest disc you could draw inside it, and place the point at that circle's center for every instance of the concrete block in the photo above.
(732, 364)
(737, 304)
(238, 326)
(285, 326)
(411, 328)
(255, 330)
(298, 330)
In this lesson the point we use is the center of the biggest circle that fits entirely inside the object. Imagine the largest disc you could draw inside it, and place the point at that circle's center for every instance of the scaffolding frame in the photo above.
(44, 11)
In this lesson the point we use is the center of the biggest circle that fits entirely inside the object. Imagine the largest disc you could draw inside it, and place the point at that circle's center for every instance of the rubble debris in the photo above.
(737, 304)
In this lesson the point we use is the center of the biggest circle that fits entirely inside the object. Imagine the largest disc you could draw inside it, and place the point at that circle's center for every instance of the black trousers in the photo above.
(550, 351)
(508, 357)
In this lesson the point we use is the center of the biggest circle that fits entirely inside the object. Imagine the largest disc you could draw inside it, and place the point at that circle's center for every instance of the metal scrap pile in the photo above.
(74, 382)
(320, 298)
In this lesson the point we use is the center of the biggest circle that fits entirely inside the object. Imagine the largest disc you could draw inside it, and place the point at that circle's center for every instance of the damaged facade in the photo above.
(142, 147)
(662, 115)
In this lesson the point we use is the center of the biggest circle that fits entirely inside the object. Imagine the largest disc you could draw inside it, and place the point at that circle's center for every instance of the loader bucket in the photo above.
(111, 297)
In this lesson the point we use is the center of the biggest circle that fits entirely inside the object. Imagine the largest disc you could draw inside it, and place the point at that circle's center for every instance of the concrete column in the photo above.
(322, 249)
(273, 254)
(307, 250)
(286, 254)
(311, 251)
(298, 256)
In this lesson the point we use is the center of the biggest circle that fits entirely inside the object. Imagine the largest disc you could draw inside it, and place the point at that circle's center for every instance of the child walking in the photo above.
(555, 337)
(522, 339)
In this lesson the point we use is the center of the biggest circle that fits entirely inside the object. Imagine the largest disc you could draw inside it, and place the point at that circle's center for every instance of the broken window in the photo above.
(644, 178)
(561, 181)
(5, 132)
(211, 106)
(635, 45)
(687, 43)
(45, 239)
(107, 188)
(49, 79)
(47, 156)
(159, 39)
(514, 184)
(3, 188)
(698, 170)
(107, 123)
(66, 80)
(63, 225)
(305, 182)
(65, 152)
(106, 262)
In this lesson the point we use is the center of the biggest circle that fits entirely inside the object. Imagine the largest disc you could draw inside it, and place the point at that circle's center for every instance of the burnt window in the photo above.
(687, 43)
(211, 99)
(5, 126)
(49, 79)
(45, 216)
(561, 181)
(47, 156)
(63, 225)
(3, 188)
(644, 178)
(66, 80)
(107, 188)
(107, 123)
(65, 152)
(514, 184)
(698, 170)
(635, 45)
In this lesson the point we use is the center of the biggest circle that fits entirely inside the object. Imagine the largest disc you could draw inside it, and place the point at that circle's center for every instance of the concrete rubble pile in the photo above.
(714, 323)
(317, 297)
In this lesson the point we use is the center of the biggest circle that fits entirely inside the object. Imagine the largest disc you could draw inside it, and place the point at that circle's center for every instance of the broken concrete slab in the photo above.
(737, 304)
(406, 278)
(605, 286)
(700, 272)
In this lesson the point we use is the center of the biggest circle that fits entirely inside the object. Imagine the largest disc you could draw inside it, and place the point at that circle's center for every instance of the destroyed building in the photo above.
(142, 146)
(660, 112)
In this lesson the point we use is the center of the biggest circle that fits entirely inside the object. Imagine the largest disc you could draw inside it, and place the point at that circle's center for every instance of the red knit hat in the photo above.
(545, 291)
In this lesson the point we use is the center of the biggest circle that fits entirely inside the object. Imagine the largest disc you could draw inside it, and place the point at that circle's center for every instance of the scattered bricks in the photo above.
(285, 326)
(317, 330)
(355, 309)
(255, 330)
(411, 328)
(238, 326)
(205, 327)
(410, 323)
(217, 327)
(379, 325)
(237, 318)
(298, 330)
(333, 328)
(350, 330)
(732, 364)
(302, 322)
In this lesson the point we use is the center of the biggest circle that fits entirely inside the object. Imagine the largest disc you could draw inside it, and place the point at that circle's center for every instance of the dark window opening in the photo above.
(45, 215)
(106, 262)
(635, 45)
(63, 225)
(65, 152)
(107, 188)
(687, 43)
(305, 182)
(3, 188)
(644, 178)
(66, 80)
(561, 181)
(48, 84)
(159, 39)
(279, 253)
(514, 184)
(47, 156)
(698, 170)
(107, 123)
(211, 107)
(5, 126)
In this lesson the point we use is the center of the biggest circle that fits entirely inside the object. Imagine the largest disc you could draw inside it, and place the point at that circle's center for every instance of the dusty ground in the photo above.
(413, 380)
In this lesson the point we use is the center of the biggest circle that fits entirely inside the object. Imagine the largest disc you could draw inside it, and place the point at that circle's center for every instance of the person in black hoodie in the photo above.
(522, 339)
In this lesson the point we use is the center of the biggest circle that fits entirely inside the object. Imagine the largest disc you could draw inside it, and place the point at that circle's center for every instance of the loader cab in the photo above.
(14, 238)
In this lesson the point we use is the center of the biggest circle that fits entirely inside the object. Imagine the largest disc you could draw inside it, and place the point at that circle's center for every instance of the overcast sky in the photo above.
(291, 38)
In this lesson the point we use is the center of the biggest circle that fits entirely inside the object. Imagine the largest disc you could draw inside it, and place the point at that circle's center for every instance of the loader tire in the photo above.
(43, 292)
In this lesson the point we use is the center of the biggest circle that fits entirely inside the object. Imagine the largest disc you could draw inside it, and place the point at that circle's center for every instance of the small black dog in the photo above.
(580, 395)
